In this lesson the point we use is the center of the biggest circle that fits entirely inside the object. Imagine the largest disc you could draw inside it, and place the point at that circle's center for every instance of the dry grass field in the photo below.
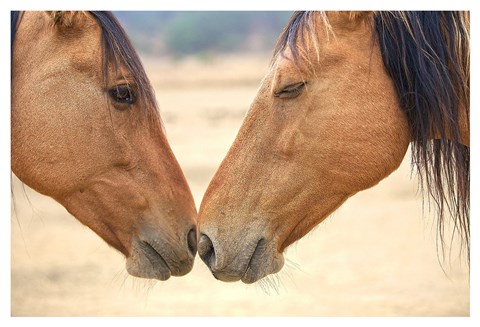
(376, 256)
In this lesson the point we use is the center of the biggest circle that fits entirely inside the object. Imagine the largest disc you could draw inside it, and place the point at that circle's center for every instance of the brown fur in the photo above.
(112, 169)
(297, 160)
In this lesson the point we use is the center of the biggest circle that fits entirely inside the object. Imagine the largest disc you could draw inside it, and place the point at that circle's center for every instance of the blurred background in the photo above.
(202, 33)
(375, 256)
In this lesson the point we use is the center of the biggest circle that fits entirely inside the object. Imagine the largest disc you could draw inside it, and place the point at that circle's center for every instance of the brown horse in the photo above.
(345, 95)
(86, 131)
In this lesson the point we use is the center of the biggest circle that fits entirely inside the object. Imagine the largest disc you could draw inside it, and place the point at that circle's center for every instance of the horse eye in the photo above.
(123, 94)
(291, 91)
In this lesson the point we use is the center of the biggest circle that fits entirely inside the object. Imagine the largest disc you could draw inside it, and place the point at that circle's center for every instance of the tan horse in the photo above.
(87, 132)
(345, 95)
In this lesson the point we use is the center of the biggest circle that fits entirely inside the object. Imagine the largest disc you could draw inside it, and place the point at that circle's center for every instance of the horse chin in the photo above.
(140, 270)
(261, 266)
(147, 260)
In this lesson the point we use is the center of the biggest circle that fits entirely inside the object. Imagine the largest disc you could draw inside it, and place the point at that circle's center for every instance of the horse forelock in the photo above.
(117, 46)
(299, 30)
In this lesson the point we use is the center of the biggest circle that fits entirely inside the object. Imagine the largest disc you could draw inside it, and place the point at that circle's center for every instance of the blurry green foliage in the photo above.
(180, 33)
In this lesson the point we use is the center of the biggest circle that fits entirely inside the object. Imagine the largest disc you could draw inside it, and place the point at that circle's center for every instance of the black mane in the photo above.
(427, 54)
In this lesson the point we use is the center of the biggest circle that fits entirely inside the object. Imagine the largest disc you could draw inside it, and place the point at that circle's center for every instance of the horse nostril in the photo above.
(205, 250)
(192, 241)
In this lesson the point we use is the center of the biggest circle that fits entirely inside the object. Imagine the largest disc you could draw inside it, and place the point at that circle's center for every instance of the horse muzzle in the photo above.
(248, 261)
(152, 256)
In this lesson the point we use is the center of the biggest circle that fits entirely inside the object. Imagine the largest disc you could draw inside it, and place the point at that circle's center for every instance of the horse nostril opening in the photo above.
(192, 241)
(205, 250)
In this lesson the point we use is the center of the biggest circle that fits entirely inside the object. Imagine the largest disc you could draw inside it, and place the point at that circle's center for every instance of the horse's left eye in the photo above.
(290, 91)
(123, 94)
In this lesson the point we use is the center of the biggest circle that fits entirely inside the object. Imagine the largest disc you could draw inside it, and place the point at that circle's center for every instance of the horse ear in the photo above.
(348, 19)
(359, 15)
(67, 18)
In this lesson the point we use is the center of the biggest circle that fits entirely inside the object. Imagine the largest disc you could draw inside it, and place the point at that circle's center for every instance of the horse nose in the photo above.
(192, 241)
(206, 251)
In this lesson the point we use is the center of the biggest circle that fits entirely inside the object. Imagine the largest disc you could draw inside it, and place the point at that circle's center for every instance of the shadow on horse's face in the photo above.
(321, 128)
(98, 148)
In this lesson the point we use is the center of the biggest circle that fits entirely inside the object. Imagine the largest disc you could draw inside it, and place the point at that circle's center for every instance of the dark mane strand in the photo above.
(117, 47)
(427, 54)
(294, 34)
(15, 17)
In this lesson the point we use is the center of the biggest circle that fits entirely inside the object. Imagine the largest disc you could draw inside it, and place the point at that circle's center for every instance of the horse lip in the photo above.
(153, 255)
(260, 247)
(161, 254)
(227, 275)
(264, 261)
(147, 262)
